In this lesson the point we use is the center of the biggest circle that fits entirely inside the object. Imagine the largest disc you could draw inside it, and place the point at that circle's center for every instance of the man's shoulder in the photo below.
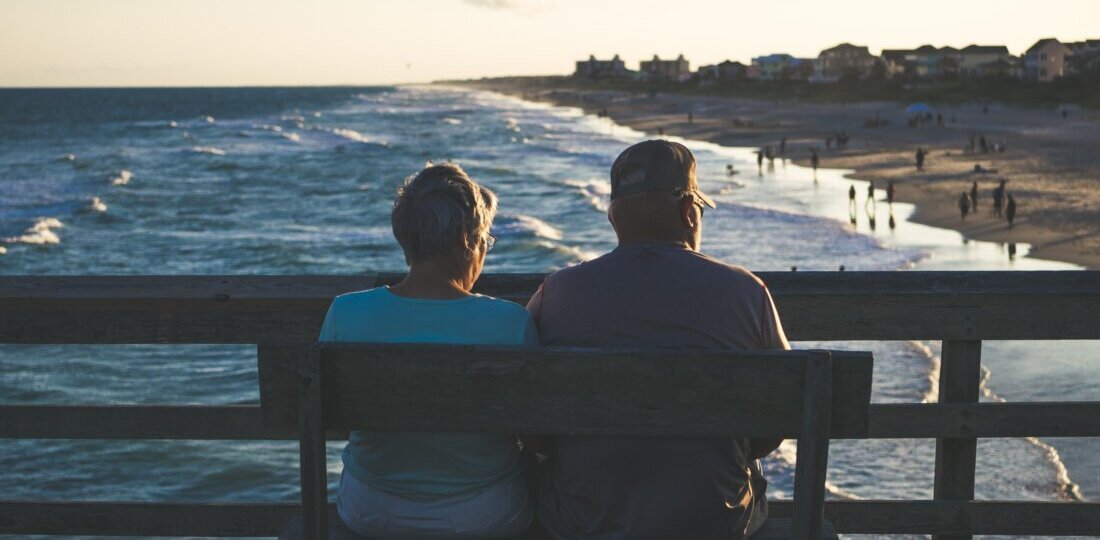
(718, 269)
(696, 266)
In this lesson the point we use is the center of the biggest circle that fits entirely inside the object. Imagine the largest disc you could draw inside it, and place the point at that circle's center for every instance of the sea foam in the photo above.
(521, 225)
(121, 178)
(41, 233)
(208, 150)
(97, 205)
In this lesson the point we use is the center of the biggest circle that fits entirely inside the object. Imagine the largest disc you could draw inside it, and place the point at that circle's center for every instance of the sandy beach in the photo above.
(1051, 164)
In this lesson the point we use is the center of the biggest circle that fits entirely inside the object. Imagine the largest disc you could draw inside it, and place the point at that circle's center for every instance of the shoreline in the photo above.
(1051, 164)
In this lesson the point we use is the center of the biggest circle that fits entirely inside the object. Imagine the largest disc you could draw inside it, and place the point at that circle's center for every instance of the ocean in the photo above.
(301, 180)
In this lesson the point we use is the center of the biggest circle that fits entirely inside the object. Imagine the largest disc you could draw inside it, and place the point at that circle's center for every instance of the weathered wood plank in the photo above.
(244, 422)
(984, 420)
(1016, 518)
(270, 519)
(580, 391)
(145, 518)
(311, 445)
(818, 306)
(960, 377)
(813, 447)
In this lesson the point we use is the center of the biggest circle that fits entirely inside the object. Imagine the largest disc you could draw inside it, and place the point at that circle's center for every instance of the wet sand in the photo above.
(1052, 164)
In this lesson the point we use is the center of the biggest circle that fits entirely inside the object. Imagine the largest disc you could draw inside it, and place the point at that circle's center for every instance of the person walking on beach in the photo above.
(655, 290)
(783, 146)
(974, 196)
(852, 204)
(964, 205)
(814, 160)
(869, 203)
(890, 193)
(1010, 210)
(920, 159)
(760, 160)
(999, 198)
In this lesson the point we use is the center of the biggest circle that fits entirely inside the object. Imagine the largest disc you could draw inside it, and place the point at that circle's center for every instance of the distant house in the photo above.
(723, 71)
(668, 70)
(843, 60)
(1086, 57)
(931, 62)
(984, 60)
(782, 66)
(600, 69)
(899, 62)
(1046, 60)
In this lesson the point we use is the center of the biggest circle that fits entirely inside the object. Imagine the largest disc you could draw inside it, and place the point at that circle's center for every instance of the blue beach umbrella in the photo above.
(918, 108)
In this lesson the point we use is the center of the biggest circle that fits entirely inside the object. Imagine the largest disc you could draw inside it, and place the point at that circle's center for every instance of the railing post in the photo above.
(960, 375)
(311, 446)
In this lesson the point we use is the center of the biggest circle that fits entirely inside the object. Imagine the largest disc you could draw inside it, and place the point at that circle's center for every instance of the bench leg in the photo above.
(813, 448)
(311, 448)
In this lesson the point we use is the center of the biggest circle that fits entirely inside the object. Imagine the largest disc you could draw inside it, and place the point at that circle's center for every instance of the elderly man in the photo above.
(655, 290)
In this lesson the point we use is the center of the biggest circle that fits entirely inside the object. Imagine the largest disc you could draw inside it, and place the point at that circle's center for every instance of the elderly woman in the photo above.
(434, 485)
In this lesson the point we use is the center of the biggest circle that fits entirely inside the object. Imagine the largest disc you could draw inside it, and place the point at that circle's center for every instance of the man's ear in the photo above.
(688, 217)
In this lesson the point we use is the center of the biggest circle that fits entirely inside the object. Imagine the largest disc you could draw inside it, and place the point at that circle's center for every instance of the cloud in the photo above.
(526, 6)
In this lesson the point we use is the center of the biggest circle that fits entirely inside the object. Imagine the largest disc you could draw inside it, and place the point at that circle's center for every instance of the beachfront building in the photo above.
(601, 69)
(899, 62)
(722, 71)
(1046, 60)
(985, 61)
(843, 61)
(782, 66)
(936, 62)
(1086, 57)
(667, 70)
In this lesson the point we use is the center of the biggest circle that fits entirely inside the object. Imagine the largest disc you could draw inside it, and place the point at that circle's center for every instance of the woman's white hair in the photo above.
(440, 211)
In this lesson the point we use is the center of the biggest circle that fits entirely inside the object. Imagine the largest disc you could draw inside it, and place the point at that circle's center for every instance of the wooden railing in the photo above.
(959, 308)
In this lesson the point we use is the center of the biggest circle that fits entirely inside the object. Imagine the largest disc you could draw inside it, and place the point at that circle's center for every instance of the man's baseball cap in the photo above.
(657, 165)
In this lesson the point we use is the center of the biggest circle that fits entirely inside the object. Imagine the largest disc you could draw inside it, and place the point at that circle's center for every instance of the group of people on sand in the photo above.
(655, 290)
(978, 143)
(1004, 203)
(869, 205)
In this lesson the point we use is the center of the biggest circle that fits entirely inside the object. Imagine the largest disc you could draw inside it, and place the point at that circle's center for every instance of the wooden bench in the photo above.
(808, 395)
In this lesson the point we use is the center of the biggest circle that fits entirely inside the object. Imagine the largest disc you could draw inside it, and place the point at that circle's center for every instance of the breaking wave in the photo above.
(41, 233)
(121, 178)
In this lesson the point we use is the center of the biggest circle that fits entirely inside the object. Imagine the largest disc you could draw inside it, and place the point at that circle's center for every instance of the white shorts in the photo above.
(501, 510)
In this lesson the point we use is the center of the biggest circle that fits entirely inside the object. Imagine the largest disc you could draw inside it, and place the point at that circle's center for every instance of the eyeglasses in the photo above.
(490, 241)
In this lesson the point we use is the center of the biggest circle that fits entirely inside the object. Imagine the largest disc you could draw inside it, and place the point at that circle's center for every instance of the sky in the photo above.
(364, 42)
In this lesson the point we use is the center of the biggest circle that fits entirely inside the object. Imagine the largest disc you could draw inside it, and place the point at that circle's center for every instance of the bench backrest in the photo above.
(563, 391)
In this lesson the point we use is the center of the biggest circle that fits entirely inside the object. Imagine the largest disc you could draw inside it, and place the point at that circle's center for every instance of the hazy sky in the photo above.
(282, 42)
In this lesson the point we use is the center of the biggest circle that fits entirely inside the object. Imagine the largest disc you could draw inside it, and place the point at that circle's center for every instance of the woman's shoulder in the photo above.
(360, 298)
(499, 307)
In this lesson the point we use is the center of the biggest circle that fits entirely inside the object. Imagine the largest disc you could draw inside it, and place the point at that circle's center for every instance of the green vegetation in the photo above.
(1083, 92)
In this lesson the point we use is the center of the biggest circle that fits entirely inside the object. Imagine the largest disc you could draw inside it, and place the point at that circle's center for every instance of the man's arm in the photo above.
(771, 337)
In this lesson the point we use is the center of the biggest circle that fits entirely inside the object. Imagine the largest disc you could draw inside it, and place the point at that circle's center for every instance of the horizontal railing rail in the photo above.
(225, 519)
(815, 306)
(960, 308)
(243, 422)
